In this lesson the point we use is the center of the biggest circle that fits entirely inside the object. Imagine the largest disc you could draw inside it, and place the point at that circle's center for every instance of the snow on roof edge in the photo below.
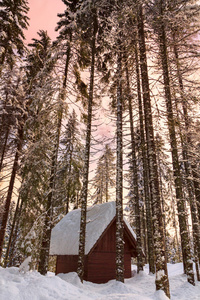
(98, 219)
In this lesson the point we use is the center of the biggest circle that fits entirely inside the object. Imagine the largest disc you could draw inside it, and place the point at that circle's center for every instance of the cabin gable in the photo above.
(100, 254)
(107, 241)
(102, 259)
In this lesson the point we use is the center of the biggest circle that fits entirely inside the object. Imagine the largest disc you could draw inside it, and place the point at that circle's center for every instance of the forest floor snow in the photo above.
(15, 285)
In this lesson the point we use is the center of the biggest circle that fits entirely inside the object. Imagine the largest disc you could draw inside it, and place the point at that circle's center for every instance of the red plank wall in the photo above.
(100, 262)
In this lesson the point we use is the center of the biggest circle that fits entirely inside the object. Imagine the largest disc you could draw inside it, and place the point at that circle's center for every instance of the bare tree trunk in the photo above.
(4, 148)
(2, 59)
(14, 235)
(11, 233)
(162, 282)
(44, 253)
(144, 233)
(174, 222)
(193, 205)
(2, 151)
(69, 182)
(136, 200)
(119, 174)
(186, 142)
(82, 235)
(151, 259)
(162, 202)
(106, 168)
(196, 180)
(10, 188)
(185, 240)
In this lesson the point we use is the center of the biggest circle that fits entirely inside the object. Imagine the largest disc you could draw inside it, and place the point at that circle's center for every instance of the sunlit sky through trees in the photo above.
(43, 16)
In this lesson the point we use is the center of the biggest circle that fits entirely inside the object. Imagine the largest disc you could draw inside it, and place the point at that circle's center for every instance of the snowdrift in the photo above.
(16, 285)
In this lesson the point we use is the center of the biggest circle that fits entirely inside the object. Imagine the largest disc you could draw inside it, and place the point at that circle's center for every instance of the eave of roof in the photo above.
(130, 234)
(65, 235)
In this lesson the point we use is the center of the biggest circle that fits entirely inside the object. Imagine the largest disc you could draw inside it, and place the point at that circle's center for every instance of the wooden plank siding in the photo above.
(102, 266)
(69, 263)
(100, 262)
(107, 242)
(66, 263)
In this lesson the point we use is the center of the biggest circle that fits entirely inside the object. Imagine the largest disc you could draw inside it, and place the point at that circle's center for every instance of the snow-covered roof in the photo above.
(65, 235)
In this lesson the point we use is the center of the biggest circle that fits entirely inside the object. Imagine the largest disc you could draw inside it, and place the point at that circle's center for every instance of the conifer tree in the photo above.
(66, 27)
(39, 65)
(104, 177)
(162, 40)
(162, 281)
(70, 164)
(135, 182)
(13, 21)
(119, 173)
(145, 167)
(11, 106)
(91, 31)
(38, 133)
(186, 142)
(15, 166)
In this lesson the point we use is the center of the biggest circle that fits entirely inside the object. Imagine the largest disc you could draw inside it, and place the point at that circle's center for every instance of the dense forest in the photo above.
(132, 67)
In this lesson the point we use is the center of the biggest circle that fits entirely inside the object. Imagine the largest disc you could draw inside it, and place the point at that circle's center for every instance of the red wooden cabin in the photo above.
(100, 246)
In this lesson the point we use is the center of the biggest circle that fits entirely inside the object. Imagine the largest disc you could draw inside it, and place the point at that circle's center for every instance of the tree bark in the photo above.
(44, 253)
(80, 269)
(11, 233)
(10, 188)
(174, 221)
(119, 174)
(151, 258)
(4, 148)
(186, 142)
(162, 282)
(135, 198)
(185, 241)
(107, 176)
(14, 236)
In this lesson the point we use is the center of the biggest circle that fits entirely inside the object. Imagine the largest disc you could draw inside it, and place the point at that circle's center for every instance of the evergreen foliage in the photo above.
(104, 176)
(13, 21)
(135, 62)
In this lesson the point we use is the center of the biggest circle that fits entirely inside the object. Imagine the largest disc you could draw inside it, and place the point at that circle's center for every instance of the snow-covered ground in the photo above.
(16, 285)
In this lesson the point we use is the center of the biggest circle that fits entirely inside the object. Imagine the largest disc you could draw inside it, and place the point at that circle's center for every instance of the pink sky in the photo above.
(43, 15)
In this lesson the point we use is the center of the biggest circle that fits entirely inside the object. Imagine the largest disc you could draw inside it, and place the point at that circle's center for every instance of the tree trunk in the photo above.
(14, 237)
(107, 177)
(69, 182)
(136, 200)
(144, 233)
(151, 259)
(2, 59)
(162, 202)
(192, 203)
(3, 126)
(186, 142)
(196, 180)
(174, 220)
(185, 241)
(6, 259)
(44, 254)
(84, 193)
(162, 282)
(4, 148)
(10, 188)
(119, 175)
